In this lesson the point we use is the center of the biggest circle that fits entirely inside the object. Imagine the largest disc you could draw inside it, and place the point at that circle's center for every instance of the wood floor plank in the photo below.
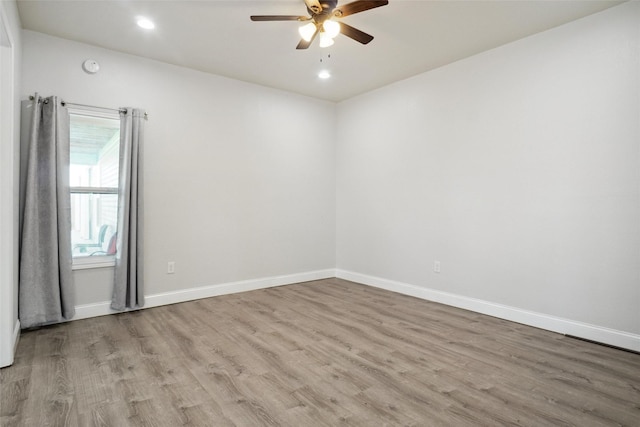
(327, 352)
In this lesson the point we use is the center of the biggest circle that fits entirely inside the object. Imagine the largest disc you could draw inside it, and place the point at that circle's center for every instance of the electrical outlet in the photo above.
(171, 267)
(436, 266)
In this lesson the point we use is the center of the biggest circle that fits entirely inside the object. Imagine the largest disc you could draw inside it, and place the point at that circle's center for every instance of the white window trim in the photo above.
(94, 190)
(100, 261)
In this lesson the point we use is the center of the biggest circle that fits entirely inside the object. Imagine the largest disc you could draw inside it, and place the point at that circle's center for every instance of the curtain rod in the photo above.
(120, 110)
(63, 102)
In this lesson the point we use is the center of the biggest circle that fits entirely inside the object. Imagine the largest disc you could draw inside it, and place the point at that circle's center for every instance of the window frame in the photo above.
(97, 261)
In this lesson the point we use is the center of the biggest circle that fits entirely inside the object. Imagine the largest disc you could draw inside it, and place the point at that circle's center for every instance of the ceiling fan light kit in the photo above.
(325, 40)
(323, 21)
(331, 28)
(307, 31)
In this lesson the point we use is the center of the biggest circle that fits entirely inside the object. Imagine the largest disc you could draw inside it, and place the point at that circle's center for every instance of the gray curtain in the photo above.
(128, 289)
(46, 293)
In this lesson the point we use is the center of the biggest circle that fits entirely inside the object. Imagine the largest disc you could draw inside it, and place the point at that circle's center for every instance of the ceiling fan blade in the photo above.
(313, 5)
(279, 18)
(359, 6)
(305, 44)
(354, 33)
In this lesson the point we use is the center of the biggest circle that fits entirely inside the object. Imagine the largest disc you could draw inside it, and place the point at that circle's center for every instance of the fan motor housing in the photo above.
(327, 7)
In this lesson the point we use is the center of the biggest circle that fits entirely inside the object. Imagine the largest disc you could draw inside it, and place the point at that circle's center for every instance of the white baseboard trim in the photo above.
(539, 320)
(86, 311)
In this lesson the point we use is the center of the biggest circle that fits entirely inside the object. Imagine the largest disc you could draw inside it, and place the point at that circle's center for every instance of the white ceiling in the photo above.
(216, 36)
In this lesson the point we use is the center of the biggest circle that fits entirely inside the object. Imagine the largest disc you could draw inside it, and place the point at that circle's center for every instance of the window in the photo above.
(94, 177)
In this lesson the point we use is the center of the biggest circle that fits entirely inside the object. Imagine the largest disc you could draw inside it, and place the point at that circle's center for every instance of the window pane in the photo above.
(93, 223)
(95, 143)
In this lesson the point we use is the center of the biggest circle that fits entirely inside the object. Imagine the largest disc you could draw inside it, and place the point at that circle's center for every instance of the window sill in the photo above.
(84, 263)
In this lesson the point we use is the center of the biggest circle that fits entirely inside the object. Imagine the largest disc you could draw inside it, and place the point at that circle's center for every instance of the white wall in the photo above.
(10, 54)
(518, 169)
(239, 179)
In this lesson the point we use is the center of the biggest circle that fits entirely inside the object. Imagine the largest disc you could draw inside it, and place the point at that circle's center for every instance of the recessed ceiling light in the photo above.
(324, 74)
(145, 23)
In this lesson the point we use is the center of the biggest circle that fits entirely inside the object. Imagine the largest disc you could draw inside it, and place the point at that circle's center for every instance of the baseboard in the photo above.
(543, 321)
(103, 308)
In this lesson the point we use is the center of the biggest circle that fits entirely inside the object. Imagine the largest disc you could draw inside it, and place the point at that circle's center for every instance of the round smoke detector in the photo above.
(91, 66)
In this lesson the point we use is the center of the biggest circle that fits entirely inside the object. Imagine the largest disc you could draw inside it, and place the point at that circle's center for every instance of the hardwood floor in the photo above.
(329, 352)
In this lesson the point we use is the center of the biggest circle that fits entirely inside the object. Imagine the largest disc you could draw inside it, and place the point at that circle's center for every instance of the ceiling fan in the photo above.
(322, 21)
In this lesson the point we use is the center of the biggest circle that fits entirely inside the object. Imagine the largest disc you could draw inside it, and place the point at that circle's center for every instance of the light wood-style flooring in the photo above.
(323, 353)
